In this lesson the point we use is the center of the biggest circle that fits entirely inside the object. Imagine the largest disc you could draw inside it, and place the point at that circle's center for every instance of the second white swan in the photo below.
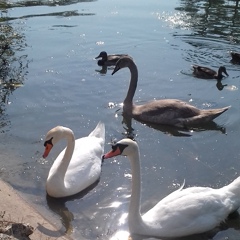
(79, 165)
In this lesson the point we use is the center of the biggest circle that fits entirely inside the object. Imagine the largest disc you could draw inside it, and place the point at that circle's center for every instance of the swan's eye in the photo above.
(122, 147)
(48, 142)
(114, 148)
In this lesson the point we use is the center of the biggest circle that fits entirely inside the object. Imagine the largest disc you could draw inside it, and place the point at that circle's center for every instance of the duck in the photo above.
(184, 212)
(172, 112)
(108, 60)
(235, 57)
(208, 73)
(78, 166)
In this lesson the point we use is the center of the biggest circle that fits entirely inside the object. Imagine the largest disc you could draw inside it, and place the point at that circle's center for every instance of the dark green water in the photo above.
(49, 77)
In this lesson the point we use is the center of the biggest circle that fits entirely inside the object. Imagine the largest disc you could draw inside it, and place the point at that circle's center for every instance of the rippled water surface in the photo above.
(49, 77)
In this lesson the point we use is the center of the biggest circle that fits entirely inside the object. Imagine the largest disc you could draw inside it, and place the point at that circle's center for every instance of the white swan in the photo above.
(184, 212)
(164, 111)
(78, 165)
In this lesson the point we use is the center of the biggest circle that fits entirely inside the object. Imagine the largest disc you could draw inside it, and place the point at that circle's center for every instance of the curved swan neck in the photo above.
(62, 168)
(133, 83)
(134, 216)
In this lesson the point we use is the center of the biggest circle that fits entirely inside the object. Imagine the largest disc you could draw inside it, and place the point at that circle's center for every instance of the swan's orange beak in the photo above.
(111, 154)
(48, 148)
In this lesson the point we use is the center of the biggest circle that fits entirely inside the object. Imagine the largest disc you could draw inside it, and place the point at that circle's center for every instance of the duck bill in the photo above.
(47, 150)
(97, 57)
(115, 69)
(111, 154)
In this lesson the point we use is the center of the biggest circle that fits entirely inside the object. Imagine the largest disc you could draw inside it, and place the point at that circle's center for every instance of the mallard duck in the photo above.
(235, 57)
(208, 73)
(172, 112)
(108, 60)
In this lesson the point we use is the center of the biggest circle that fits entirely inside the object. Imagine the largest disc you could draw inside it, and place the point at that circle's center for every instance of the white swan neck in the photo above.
(63, 166)
(134, 216)
(56, 178)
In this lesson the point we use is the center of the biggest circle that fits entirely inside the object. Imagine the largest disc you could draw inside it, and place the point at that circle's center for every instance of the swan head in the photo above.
(124, 147)
(123, 62)
(102, 55)
(52, 137)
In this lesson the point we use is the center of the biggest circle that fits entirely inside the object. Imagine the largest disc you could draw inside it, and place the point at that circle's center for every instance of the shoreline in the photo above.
(14, 209)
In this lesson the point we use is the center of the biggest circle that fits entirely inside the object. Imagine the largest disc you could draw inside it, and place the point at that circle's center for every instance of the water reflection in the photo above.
(171, 130)
(102, 71)
(219, 85)
(57, 14)
(213, 31)
(16, 3)
(213, 18)
(233, 223)
(58, 206)
(13, 66)
(7, 5)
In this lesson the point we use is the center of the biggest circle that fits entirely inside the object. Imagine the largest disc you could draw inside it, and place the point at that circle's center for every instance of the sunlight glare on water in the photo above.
(175, 20)
(120, 235)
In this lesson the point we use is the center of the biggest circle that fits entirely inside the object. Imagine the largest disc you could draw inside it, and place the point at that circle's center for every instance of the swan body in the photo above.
(165, 111)
(208, 73)
(108, 60)
(235, 57)
(78, 165)
(183, 212)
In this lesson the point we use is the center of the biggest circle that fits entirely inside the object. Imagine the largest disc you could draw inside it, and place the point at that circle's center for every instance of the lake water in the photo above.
(49, 77)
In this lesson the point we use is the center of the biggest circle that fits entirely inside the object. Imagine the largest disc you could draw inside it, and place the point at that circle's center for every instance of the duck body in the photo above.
(208, 73)
(108, 60)
(235, 57)
(184, 212)
(78, 166)
(165, 111)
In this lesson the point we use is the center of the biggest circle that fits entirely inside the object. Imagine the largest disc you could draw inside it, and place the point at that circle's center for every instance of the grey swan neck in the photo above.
(128, 102)
(134, 214)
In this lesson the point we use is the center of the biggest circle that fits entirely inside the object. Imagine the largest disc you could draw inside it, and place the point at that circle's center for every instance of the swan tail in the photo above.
(99, 131)
(205, 116)
(234, 187)
(210, 114)
(233, 190)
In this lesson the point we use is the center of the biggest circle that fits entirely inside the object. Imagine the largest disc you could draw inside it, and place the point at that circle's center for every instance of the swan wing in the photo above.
(85, 166)
(165, 111)
(188, 211)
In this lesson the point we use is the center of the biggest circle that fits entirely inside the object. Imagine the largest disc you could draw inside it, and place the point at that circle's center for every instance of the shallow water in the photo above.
(53, 79)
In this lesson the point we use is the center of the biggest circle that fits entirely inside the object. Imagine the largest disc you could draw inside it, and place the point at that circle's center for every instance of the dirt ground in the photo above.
(19, 220)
